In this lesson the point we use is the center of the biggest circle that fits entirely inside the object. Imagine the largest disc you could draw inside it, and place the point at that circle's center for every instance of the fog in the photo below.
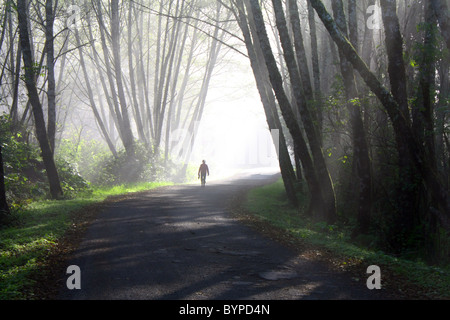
(233, 134)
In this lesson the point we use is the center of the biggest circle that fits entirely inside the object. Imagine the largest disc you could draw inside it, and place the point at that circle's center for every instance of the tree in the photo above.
(361, 158)
(92, 102)
(440, 8)
(51, 88)
(41, 132)
(4, 208)
(303, 95)
(268, 100)
(115, 42)
(319, 205)
(411, 153)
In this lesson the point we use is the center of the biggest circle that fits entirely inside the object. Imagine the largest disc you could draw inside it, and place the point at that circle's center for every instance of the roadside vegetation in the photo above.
(35, 225)
(270, 205)
(35, 231)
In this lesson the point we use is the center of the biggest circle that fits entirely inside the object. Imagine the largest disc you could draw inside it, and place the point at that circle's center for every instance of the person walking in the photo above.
(202, 172)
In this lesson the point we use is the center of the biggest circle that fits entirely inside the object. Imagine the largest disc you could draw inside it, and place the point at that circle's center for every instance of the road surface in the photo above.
(181, 243)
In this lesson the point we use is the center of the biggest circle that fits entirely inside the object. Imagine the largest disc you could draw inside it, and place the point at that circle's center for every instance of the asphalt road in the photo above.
(181, 243)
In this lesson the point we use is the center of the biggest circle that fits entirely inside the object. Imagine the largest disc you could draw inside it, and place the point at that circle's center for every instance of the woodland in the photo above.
(91, 92)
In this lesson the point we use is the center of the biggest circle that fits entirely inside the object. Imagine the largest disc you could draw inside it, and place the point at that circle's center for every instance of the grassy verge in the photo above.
(35, 232)
(269, 205)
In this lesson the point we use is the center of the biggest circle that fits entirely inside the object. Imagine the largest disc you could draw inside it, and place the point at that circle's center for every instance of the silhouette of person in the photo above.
(202, 171)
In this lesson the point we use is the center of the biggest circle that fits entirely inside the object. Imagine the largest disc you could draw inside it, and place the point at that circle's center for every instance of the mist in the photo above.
(346, 100)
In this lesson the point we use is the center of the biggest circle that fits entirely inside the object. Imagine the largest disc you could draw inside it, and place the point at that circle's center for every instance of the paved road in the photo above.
(180, 243)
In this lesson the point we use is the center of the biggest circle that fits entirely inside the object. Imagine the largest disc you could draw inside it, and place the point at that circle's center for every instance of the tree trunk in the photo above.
(361, 160)
(114, 100)
(302, 91)
(111, 104)
(269, 105)
(300, 147)
(425, 100)
(4, 208)
(134, 96)
(214, 50)
(41, 132)
(315, 67)
(142, 82)
(115, 41)
(171, 121)
(91, 98)
(403, 132)
(51, 85)
(443, 97)
(187, 72)
(441, 9)
(14, 113)
(409, 190)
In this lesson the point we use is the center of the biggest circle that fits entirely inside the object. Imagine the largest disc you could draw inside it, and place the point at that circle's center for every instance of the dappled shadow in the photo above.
(181, 243)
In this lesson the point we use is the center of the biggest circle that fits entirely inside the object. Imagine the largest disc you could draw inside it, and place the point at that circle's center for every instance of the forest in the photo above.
(95, 93)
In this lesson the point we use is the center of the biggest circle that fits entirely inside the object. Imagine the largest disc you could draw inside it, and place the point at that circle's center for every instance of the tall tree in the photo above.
(303, 94)
(361, 160)
(131, 70)
(51, 85)
(41, 132)
(408, 201)
(268, 100)
(315, 66)
(440, 8)
(405, 138)
(4, 208)
(115, 43)
(92, 102)
(300, 147)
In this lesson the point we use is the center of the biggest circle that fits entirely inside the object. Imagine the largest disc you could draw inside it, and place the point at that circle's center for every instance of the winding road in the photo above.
(181, 243)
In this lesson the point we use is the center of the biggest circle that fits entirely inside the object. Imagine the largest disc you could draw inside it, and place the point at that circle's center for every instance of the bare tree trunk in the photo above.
(403, 133)
(172, 104)
(394, 43)
(142, 83)
(115, 41)
(51, 86)
(111, 105)
(308, 119)
(268, 101)
(409, 190)
(425, 118)
(424, 110)
(361, 160)
(41, 132)
(201, 101)
(134, 96)
(441, 9)
(14, 70)
(444, 95)
(187, 72)
(300, 147)
(314, 48)
(4, 208)
(14, 113)
(162, 64)
(315, 67)
(92, 100)
(114, 100)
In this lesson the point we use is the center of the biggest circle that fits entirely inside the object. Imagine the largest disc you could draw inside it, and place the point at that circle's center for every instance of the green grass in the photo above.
(36, 229)
(269, 203)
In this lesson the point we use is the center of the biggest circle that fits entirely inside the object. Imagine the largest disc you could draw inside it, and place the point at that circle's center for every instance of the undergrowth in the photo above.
(36, 228)
(269, 203)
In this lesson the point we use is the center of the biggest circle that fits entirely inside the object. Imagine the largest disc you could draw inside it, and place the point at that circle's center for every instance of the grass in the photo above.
(35, 231)
(269, 204)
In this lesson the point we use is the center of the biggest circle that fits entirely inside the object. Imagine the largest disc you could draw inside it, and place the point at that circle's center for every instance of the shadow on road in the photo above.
(180, 243)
